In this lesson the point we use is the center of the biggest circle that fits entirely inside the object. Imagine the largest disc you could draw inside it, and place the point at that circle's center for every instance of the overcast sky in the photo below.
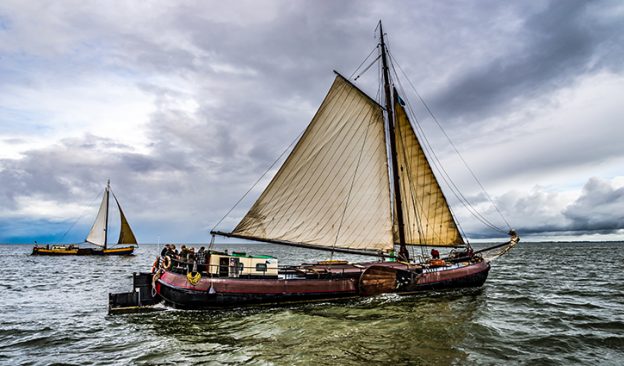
(184, 105)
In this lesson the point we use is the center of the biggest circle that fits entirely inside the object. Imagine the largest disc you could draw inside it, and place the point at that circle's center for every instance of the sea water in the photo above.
(543, 304)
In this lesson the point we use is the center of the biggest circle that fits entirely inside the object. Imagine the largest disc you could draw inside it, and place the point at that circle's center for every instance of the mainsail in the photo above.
(333, 190)
(97, 235)
(426, 214)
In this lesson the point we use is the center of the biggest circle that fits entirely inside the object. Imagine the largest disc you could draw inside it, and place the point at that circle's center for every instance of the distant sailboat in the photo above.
(358, 181)
(98, 235)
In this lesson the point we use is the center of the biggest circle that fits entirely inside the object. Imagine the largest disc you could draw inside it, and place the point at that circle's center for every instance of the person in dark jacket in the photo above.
(201, 255)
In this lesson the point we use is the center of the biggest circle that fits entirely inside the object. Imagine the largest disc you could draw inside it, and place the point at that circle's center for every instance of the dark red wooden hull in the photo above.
(237, 292)
(215, 292)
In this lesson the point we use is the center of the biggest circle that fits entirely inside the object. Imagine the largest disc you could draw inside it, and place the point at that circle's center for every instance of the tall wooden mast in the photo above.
(106, 224)
(403, 253)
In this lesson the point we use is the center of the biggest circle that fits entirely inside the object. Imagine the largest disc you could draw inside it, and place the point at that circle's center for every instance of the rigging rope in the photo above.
(367, 57)
(452, 185)
(367, 67)
(447, 178)
(71, 227)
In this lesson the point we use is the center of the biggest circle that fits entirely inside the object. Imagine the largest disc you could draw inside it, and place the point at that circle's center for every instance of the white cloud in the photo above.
(105, 106)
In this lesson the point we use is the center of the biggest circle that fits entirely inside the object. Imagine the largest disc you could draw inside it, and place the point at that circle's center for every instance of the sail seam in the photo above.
(351, 187)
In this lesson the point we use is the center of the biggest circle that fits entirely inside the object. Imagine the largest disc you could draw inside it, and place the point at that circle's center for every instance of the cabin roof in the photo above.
(245, 255)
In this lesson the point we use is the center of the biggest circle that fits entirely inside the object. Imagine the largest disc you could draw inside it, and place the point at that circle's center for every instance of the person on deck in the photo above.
(190, 258)
(165, 250)
(435, 254)
(183, 252)
(173, 252)
(201, 256)
(190, 255)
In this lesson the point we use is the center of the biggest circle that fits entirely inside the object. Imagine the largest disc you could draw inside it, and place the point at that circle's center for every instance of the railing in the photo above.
(221, 270)
(240, 271)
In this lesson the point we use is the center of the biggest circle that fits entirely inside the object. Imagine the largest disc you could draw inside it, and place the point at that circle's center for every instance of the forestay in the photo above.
(333, 190)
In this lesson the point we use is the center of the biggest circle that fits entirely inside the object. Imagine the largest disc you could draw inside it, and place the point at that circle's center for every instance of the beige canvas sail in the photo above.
(126, 236)
(97, 235)
(426, 213)
(333, 190)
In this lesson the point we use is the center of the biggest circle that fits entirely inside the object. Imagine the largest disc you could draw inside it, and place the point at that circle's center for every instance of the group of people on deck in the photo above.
(186, 254)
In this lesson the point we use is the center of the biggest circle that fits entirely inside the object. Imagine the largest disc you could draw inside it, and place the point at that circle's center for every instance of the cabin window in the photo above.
(261, 267)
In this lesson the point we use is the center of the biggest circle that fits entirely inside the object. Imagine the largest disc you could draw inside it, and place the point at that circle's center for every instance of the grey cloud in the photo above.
(598, 209)
(564, 41)
(14, 141)
(62, 171)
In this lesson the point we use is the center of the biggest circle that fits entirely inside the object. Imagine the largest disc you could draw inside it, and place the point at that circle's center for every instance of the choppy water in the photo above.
(546, 304)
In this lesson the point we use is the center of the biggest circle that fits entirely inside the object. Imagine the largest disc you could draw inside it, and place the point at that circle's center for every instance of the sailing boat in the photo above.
(98, 235)
(357, 181)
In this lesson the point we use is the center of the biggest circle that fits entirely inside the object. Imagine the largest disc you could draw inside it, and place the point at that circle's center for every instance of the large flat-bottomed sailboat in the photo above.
(98, 235)
(357, 181)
